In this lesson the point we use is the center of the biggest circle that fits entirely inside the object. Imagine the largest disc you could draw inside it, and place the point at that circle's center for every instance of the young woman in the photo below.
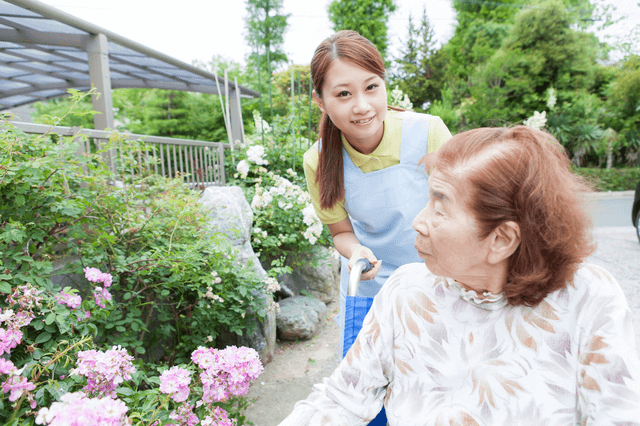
(363, 173)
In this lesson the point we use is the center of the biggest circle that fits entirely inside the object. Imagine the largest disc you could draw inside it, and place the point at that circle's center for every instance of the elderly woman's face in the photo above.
(447, 237)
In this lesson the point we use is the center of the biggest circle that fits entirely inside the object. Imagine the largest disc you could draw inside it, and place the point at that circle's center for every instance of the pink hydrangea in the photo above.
(100, 295)
(175, 381)
(72, 301)
(75, 409)
(104, 370)
(17, 385)
(227, 371)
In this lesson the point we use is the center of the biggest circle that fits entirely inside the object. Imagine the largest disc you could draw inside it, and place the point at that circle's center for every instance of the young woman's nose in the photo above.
(361, 105)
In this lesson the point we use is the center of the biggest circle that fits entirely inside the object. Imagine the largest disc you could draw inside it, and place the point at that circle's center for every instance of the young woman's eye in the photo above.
(372, 86)
(343, 94)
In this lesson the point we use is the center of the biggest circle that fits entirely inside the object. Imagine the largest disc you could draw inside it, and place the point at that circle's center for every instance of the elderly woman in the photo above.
(503, 324)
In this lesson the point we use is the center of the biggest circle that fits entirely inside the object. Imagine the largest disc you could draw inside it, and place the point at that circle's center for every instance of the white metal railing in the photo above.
(199, 163)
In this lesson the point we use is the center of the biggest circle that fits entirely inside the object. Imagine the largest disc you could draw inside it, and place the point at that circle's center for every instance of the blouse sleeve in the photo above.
(608, 365)
(354, 393)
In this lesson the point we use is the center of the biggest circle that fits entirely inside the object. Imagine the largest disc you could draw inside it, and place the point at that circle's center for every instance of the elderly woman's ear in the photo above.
(504, 240)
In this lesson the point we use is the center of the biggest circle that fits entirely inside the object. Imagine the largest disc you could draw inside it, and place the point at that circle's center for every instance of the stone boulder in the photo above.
(229, 213)
(300, 318)
(316, 274)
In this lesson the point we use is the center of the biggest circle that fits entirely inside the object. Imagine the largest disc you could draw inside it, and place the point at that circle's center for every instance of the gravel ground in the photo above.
(298, 365)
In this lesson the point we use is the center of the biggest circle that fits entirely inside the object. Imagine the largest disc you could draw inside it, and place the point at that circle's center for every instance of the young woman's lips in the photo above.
(363, 121)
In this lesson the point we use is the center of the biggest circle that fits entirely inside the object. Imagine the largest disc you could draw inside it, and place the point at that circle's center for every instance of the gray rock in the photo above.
(229, 212)
(316, 274)
(300, 317)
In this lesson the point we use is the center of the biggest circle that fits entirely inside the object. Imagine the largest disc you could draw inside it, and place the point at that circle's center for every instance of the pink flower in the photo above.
(26, 296)
(17, 385)
(6, 315)
(73, 301)
(184, 416)
(104, 370)
(95, 275)
(21, 319)
(100, 295)
(107, 279)
(83, 315)
(227, 371)
(75, 409)
(9, 339)
(92, 274)
(205, 358)
(175, 381)
(219, 417)
(6, 366)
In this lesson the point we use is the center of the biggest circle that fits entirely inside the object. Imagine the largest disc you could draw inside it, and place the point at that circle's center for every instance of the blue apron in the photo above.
(382, 205)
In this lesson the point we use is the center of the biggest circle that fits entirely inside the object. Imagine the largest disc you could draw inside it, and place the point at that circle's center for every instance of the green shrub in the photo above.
(175, 285)
(284, 221)
(623, 179)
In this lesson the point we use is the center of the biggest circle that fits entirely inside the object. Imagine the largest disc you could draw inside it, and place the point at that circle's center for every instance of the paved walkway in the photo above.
(619, 252)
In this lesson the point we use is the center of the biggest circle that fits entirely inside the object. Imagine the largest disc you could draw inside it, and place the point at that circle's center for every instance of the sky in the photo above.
(191, 30)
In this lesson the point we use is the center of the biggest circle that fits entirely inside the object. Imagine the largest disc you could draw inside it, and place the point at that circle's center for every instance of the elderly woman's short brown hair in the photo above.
(523, 175)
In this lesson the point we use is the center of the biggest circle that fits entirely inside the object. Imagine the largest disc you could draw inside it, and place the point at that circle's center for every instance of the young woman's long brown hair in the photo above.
(352, 47)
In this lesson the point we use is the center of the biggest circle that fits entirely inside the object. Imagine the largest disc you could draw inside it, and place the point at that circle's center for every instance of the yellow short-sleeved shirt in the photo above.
(387, 154)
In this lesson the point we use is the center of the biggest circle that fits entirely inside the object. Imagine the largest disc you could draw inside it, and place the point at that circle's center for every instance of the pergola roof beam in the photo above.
(44, 52)
(28, 35)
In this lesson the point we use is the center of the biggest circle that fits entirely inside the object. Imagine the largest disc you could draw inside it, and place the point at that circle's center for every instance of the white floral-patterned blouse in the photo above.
(436, 354)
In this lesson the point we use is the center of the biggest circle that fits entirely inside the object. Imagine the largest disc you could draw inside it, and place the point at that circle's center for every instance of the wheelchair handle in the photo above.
(361, 265)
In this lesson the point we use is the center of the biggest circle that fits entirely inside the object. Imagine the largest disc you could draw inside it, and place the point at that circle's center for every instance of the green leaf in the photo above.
(5, 287)
(121, 329)
(124, 391)
(43, 337)
(127, 295)
(50, 318)
(140, 350)
(165, 293)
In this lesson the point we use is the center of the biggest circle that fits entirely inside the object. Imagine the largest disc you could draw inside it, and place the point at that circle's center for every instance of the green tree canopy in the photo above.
(367, 17)
(542, 50)
(420, 69)
(265, 26)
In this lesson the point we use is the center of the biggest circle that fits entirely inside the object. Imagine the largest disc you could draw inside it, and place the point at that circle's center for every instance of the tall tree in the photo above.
(420, 72)
(367, 17)
(543, 50)
(265, 26)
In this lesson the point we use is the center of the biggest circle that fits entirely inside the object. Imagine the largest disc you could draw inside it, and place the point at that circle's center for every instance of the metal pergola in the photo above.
(45, 51)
